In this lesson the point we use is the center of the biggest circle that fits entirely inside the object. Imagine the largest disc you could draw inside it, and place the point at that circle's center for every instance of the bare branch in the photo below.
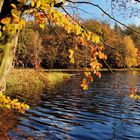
(95, 5)
(74, 19)
(137, 0)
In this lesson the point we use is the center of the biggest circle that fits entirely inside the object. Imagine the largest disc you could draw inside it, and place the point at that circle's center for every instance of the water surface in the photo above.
(104, 112)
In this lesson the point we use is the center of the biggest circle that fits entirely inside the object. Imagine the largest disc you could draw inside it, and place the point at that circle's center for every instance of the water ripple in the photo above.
(102, 113)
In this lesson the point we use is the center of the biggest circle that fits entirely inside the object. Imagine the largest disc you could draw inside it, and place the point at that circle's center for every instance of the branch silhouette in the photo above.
(96, 5)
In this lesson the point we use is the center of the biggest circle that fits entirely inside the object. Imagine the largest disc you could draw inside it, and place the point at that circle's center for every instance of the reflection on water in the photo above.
(103, 112)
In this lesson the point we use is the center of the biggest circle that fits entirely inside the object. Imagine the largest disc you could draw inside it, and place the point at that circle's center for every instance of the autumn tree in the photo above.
(13, 15)
(135, 36)
(114, 48)
(29, 48)
(131, 52)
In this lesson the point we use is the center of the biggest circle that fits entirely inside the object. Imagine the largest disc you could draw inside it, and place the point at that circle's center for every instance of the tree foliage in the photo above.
(55, 48)
(134, 35)
(13, 18)
(29, 48)
(131, 52)
(120, 49)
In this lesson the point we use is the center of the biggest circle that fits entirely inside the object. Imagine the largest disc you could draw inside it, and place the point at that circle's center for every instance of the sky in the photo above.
(120, 14)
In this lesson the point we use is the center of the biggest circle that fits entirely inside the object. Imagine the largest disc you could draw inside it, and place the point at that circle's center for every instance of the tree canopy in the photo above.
(13, 17)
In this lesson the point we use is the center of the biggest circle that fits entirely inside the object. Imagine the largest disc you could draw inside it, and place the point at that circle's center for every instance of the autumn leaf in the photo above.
(89, 76)
(98, 74)
(6, 20)
(84, 84)
(32, 3)
(38, 4)
(42, 26)
(95, 39)
(88, 36)
(71, 56)
(14, 6)
(6, 102)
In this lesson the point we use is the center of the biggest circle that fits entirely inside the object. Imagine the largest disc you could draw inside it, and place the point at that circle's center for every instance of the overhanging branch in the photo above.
(96, 5)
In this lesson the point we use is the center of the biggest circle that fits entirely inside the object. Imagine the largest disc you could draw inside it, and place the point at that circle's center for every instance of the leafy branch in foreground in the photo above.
(13, 16)
(42, 12)
(6, 102)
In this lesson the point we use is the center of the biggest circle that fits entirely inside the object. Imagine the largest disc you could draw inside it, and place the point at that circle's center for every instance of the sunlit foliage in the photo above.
(45, 12)
(6, 102)
(131, 52)
(48, 12)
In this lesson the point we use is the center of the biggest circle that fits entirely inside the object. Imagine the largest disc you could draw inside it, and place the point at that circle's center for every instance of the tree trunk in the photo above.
(1, 4)
(7, 54)
(8, 45)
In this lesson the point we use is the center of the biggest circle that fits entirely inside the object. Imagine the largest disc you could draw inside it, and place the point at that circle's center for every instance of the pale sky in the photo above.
(106, 5)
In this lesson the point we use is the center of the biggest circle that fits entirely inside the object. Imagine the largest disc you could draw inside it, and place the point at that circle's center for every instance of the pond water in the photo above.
(104, 112)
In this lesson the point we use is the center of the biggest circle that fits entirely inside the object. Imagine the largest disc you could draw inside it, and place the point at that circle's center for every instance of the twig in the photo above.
(95, 5)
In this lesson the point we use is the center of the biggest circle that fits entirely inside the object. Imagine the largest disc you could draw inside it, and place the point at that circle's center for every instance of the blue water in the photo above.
(104, 112)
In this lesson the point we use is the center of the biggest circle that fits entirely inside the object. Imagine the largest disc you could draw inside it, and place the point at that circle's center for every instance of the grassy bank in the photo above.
(28, 83)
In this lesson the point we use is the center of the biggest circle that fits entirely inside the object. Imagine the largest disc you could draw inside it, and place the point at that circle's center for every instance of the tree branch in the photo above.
(74, 19)
(137, 0)
(95, 5)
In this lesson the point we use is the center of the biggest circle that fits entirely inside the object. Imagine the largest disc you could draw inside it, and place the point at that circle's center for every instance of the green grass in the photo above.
(28, 83)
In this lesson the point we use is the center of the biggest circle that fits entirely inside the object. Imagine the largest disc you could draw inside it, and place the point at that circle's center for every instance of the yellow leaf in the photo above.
(95, 39)
(8, 106)
(14, 6)
(27, 106)
(21, 24)
(63, 1)
(84, 84)
(15, 16)
(71, 51)
(38, 4)
(15, 100)
(15, 11)
(32, 3)
(88, 36)
(78, 30)
(71, 56)
(72, 60)
(4, 28)
(42, 26)
(6, 21)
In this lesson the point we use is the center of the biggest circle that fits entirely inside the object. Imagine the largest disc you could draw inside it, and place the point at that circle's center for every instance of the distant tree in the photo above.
(13, 15)
(118, 29)
(131, 52)
(93, 26)
(135, 36)
(29, 48)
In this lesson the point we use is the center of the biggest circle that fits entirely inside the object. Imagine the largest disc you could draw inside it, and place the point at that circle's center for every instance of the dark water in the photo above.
(104, 112)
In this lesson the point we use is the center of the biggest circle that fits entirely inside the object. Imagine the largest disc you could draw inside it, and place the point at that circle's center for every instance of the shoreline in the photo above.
(80, 70)
(29, 83)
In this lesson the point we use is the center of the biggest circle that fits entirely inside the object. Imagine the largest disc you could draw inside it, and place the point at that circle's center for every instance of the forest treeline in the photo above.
(49, 48)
